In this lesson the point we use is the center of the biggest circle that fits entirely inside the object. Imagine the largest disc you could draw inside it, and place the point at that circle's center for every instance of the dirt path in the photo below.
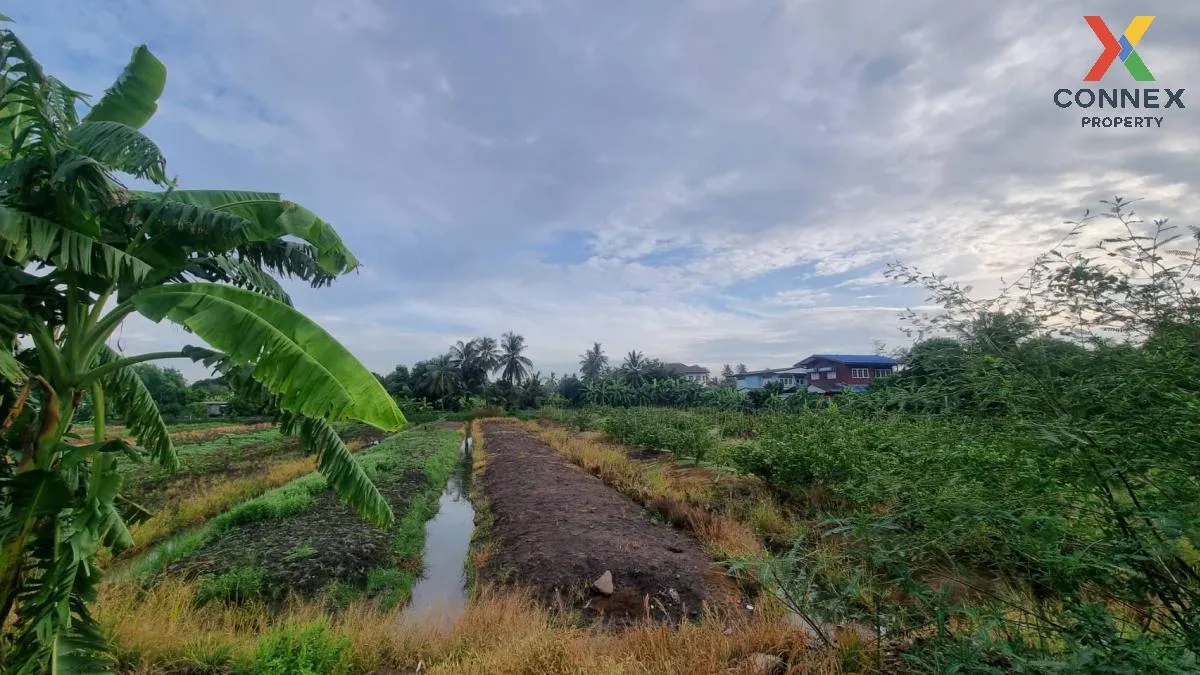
(558, 529)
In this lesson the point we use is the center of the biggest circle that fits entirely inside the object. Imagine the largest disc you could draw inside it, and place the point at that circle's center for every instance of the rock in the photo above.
(605, 583)
(764, 664)
(674, 595)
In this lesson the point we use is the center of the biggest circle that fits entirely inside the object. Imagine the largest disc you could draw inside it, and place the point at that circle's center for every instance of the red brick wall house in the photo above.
(832, 373)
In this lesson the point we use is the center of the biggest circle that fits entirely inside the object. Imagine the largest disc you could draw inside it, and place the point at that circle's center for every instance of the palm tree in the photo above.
(101, 252)
(441, 375)
(593, 362)
(514, 367)
(472, 365)
(489, 354)
(634, 368)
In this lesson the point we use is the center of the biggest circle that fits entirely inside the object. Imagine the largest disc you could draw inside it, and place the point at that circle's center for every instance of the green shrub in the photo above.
(310, 649)
(236, 585)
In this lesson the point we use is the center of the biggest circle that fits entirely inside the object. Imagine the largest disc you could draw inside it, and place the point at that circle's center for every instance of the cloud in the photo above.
(708, 181)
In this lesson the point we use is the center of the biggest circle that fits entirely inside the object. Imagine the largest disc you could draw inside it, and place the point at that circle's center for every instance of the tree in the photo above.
(79, 252)
(166, 386)
(741, 369)
(489, 354)
(439, 377)
(633, 368)
(210, 388)
(514, 367)
(398, 382)
(726, 372)
(571, 388)
(472, 362)
(593, 362)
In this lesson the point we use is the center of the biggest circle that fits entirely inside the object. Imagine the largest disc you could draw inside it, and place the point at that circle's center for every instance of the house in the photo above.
(753, 380)
(216, 408)
(698, 374)
(833, 373)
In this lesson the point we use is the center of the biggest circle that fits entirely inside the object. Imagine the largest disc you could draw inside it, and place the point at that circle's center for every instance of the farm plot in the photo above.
(217, 471)
(300, 539)
(558, 530)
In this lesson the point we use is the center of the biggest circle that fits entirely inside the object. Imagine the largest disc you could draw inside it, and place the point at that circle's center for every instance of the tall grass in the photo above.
(501, 631)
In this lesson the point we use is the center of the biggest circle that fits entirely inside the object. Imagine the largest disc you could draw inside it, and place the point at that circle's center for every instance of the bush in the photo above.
(681, 433)
(310, 649)
(237, 585)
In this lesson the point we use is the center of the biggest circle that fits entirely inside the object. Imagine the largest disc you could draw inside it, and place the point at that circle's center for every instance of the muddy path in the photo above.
(558, 529)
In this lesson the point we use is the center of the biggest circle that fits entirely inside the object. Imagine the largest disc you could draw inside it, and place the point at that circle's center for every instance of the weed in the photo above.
(237, 585)
(300, 552)
(304, 649)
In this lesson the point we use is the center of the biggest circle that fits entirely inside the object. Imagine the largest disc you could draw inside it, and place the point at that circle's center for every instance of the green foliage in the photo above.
(306, 649)
(167, 387)
(95, 253)
(237, 585)
(1023, 495)
(684, 434)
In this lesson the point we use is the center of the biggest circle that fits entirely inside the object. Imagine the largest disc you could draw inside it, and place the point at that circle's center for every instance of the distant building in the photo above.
(216, 408)
(698, 374)
(788, 378)
(834, 373)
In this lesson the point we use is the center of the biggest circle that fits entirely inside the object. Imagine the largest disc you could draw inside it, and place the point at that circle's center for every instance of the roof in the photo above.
(684, 369)
(852, 359)
(769, 371)
(856, 388)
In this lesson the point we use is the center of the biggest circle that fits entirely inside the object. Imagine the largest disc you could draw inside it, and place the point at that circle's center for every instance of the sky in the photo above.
(707, 181)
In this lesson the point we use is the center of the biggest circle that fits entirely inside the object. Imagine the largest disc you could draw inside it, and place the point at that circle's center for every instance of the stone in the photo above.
(764, 664)
(674, 595)
(605, 583)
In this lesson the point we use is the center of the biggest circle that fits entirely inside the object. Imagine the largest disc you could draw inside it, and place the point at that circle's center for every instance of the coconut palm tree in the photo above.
(592, 362)
(79, 253)
(634, 368)
(489, 353)
(514, 367)
(472, 365)
(440, 377)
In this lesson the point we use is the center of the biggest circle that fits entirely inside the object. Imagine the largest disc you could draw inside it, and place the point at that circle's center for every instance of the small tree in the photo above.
(79, 252)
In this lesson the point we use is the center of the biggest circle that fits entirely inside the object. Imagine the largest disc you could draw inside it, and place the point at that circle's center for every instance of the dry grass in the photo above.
(188, 435)
(502, 631)
(206, 501)
(481, 546)
(727, 513)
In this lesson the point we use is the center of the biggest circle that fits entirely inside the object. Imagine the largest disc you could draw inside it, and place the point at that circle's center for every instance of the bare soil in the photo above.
(198, 474)
(306, 552)
(557, 529)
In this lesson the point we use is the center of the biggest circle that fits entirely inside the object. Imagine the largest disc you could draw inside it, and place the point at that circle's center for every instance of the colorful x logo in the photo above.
(1123, 48)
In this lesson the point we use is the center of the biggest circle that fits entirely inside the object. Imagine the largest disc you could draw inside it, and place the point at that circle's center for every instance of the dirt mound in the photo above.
(559, 529)
(306, 552)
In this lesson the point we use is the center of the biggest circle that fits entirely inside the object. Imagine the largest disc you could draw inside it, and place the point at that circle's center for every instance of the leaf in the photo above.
(129, 397)
(239, 272)
(75, 454)
(120, 147)
(66, 248)
(132, 99)
(221, 220)
(292, 355)
(340, 468)
(11, 369)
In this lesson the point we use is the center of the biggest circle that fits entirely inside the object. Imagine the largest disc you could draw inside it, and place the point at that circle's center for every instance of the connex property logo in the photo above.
(1120, 98)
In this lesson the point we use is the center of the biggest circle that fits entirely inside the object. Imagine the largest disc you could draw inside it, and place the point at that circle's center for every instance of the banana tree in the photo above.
(79, 253)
